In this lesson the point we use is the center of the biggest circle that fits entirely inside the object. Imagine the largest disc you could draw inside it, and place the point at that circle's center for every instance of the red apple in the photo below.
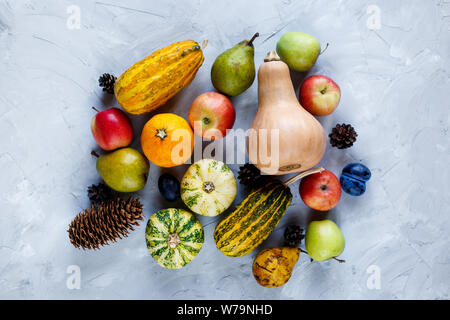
(211, 114)
(321, 191)
(111, 129)
(319, 95)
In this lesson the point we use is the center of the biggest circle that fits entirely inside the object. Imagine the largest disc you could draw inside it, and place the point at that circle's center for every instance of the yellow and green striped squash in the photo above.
(208, 187)
(151, 82)
(174, 237)
(253, 220)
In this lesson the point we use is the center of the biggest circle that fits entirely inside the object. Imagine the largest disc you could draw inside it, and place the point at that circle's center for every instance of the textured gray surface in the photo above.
(395, 83)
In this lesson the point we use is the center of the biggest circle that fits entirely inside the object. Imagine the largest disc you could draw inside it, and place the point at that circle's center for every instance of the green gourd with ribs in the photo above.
(174, 237)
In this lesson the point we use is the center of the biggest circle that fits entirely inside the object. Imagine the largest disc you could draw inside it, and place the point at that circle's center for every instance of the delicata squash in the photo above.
(151, 82)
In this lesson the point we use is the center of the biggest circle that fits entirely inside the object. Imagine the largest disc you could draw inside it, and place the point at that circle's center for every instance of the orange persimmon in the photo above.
(167, 140)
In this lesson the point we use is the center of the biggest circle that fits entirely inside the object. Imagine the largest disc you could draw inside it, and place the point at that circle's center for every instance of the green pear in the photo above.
(324, 240)
(124, 170)
(298, 50)
(233, 72)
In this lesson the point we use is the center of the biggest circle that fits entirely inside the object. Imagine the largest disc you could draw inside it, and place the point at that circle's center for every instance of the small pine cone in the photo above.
(250, 176)
(293, 236)
(106, 81)
(99, 193)
(343, 136)
(105, 223)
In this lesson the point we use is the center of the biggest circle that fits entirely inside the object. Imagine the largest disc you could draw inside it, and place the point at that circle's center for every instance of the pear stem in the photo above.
(253, 38)
(326, 47)
(302, 175)
(95, 154)
(95, 109)
(339, 260)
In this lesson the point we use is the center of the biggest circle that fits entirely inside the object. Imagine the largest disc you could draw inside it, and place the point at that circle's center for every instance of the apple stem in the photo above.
(326, 47)
(95, 109)
(95, 154)
(302, 175)
(253, 38)
(339, 260)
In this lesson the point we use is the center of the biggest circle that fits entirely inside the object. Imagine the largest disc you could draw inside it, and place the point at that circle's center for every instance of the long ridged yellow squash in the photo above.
(151, 82)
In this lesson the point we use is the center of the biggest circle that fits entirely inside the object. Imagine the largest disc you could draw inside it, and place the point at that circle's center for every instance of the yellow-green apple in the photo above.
(324, 240)
(211, 115)
(319, 95)
(321, 191)
(111, 129)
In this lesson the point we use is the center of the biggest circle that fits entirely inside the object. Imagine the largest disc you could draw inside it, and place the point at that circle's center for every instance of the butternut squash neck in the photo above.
(275, 87)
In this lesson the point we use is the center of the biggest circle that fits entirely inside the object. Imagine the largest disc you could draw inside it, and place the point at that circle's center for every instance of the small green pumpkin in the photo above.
(174, 237)
(208, 187)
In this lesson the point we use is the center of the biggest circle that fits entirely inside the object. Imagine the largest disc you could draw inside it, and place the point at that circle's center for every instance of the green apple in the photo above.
(298, 50)
(124, 170)
(324, 240)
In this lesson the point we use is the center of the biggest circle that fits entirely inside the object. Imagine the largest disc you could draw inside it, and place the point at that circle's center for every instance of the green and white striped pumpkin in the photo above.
(208, 187)
(174, 237)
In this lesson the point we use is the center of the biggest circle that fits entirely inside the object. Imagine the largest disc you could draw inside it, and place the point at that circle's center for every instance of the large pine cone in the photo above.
(105, 223)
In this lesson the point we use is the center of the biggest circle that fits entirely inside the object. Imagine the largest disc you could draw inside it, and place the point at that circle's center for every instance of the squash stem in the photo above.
(272, 56)
(173, 240)
(204, 44)
(302, 175)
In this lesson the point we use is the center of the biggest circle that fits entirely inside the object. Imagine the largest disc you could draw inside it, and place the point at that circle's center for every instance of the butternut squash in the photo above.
(284, 137)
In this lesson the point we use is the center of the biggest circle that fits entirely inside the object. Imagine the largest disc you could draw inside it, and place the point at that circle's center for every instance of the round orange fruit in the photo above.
(167, 140)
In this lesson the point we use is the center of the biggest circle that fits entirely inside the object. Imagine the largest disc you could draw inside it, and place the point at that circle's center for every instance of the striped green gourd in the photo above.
(255, 217)
(174, 237)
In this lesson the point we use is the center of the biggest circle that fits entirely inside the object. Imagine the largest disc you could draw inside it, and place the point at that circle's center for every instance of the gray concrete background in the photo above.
(395, 81)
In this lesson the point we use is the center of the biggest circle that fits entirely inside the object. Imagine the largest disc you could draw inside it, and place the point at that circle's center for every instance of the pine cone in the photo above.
(293, 236)
(106, 81)
(343, 136)
(250, 176)
(99, 193)
(105, 223)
